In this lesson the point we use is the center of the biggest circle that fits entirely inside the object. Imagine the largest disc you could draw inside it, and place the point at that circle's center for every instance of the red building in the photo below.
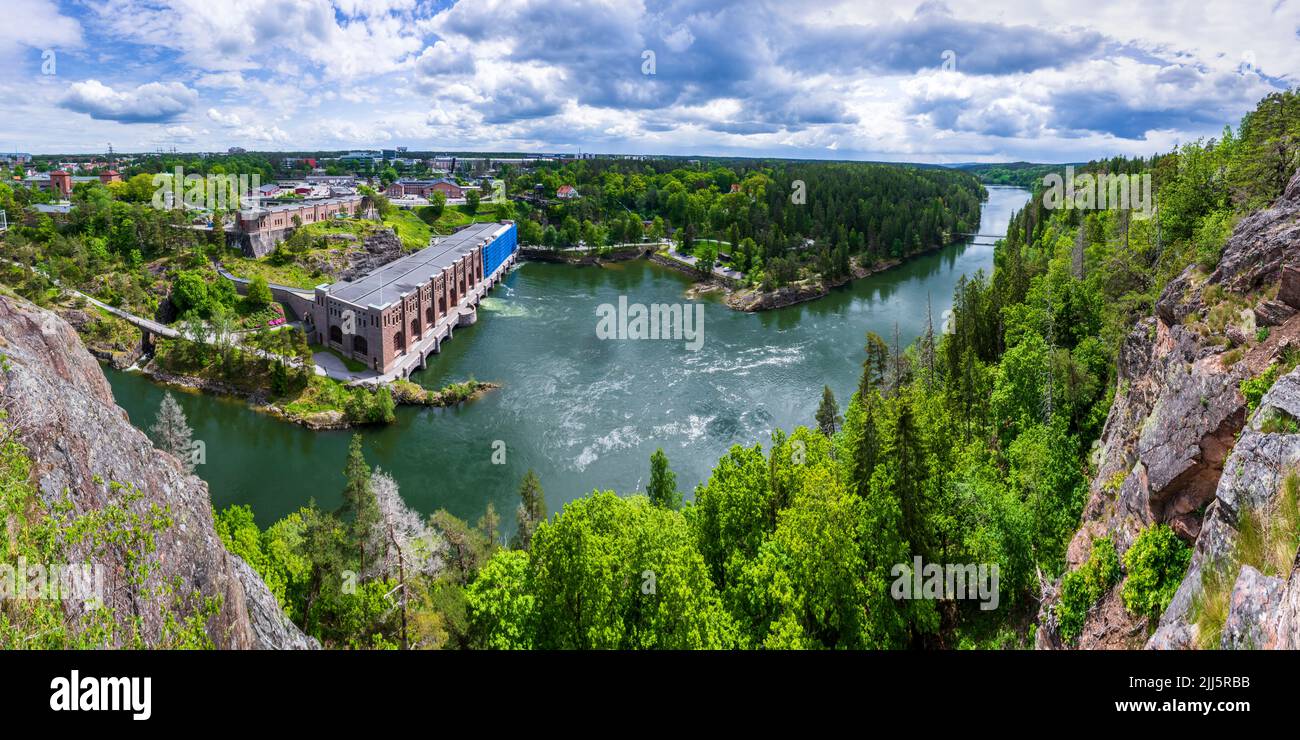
(425, 188)
(396, 316)
(61, 183)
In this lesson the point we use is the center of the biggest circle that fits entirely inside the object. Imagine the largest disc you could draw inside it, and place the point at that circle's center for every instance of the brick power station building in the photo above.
(398, 315)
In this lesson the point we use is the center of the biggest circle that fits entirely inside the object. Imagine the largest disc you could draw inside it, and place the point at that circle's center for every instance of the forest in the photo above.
(777, 220)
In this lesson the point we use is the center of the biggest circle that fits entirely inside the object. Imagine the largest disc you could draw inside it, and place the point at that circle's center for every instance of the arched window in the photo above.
(336, 334)
(415, 329)
(359, 344)
(399, 341)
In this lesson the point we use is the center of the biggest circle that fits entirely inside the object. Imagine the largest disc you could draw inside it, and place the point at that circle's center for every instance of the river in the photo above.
(585, 413)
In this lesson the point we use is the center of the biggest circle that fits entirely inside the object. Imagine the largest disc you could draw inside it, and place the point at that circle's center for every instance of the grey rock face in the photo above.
(1170, 452)
(1253, 611)
(81, 442)
(1273, 313)
(382, 247)
(1252, 476)
(1261, 245)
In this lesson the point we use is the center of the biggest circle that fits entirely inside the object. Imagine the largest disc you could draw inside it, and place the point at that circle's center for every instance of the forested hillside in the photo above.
(776, 218)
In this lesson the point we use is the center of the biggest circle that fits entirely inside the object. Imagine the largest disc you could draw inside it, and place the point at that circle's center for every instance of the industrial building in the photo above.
(395, 317)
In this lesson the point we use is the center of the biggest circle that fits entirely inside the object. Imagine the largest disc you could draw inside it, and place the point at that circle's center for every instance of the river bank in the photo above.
(584, 257)
(753, 299)
(322, 404)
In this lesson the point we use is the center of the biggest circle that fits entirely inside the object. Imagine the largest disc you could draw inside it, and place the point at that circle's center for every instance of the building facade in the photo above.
(425, 188)
(281, 215)
(395, 317)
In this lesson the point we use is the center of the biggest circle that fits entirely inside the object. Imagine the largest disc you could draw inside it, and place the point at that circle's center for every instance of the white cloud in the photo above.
(785, 77)
(37, 24)
(154, 102)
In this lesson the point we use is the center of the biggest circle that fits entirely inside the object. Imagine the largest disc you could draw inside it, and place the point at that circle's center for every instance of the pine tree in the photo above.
(927, 343)
(906, 455)
(662, 490)
(359, 501)
(172, 432)
(828, 413)
(531, 511)
(876, 365)
(489, 523)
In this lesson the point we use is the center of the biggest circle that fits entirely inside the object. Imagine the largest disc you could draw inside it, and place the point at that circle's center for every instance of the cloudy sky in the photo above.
(938, 81)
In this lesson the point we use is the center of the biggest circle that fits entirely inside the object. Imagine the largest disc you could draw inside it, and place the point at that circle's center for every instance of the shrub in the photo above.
(190, 293)
(1210, 236)
(1084, 586)
(259, 292)
(1255, 388)
(1156, 563)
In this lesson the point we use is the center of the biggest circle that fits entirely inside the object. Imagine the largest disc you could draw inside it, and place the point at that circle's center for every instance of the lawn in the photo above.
(413, 232)
(454, 217)
(293, 274)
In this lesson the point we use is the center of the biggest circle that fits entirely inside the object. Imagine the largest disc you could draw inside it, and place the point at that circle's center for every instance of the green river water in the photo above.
(583, 412)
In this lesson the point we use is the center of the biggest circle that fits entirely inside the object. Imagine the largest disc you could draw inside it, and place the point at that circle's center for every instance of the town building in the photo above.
(395, 317)
(59, 182)
(426, 188)
(260, 228)
(567, 192)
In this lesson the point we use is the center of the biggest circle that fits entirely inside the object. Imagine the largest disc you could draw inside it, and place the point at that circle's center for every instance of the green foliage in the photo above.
(531, 511)
(190, 294)
(662, 490)
(360, 507)
(828, 413)
(1084, 586)
(259, 293)
(1210, 236)
(865, 211)
(1254, 388)
(1210, 606)
(1155, 563)
(500, 603)
(607, 573)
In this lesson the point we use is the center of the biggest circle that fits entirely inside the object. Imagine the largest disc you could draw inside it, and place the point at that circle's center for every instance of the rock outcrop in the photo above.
(381, 247)
(86, 453)
(1170, 452)
(1258, 614)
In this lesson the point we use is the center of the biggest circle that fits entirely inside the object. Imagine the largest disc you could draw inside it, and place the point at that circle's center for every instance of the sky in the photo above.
(940, 81)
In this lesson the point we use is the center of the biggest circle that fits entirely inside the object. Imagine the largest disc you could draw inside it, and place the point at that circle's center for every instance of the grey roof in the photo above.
(389, 283)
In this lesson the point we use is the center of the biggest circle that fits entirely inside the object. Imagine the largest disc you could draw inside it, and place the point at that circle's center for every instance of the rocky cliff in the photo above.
(84, 451)
(1178, 447)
